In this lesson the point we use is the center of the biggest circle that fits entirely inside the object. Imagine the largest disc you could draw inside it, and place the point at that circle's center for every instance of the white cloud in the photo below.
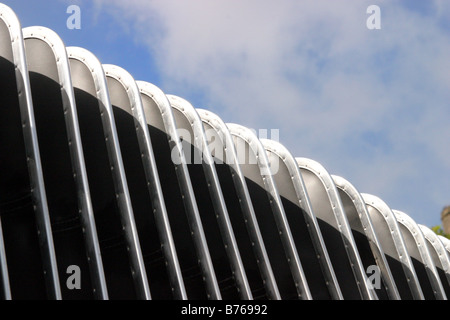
(371, 104)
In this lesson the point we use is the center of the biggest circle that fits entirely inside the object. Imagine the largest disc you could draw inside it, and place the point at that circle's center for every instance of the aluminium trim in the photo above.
(298, 184)
(402, 253)
(54, 42)
(188, 197)
(10, 19)
(285, 234)
(420, 242)
(153, 183)
(135, 253)
(246, 205)
(377, 251)
(446, 242)
(4, 267)
(216, 195)
(93, 64)
(439, 248)
(162, 102)
(342, 224)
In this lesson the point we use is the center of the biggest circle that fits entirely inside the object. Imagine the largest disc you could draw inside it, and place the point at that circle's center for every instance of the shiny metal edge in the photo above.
(277, 207)
(216, 195)
(296, 180)
(27, 116)
(57, 46)
(341, 220)
(371, 235)
(128, 221)
(188, 196)
(153, 182)
(422, 247)
(439, 247)
(112, 143)
(446, 242)
(156, 94)
(246, 205)
(402, 252)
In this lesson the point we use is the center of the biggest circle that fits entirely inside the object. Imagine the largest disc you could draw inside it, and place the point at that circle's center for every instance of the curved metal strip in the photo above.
(4, 268)
(242, 215)
(394, 247)
(256, 168)
(124, 96)
(154, 188)
(12, 54)
(303, 223)
(160, 118)
(167, 240)
(176, 184)
(446, 242)
(88, 78)
(439, 256)
(423, 263)
(188, 119)
(365, 237)
(327, 207)
(48, 63)
(109, 189)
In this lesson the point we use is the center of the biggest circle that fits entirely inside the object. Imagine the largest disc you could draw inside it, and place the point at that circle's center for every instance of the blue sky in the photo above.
(372, 106)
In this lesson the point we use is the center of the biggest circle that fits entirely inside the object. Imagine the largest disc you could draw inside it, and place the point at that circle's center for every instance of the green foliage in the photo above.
(439, 231)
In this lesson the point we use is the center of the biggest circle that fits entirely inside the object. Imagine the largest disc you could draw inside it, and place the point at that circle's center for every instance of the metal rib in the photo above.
(128, 221)
(394, 247)
(215, 192)
(150, 91)
(292, 188)
(327, 206)
(360, 222)
(176, 169)
(418, 250)
(439, 256)
(254, 145)
(100, 91)
(55, 44)
(446, 242)
(225, 153)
